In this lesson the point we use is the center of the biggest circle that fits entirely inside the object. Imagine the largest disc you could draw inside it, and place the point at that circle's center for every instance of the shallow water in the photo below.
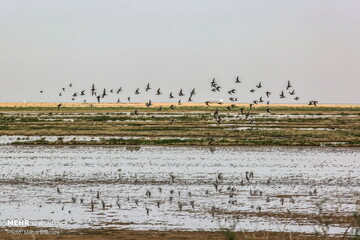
(30, 176)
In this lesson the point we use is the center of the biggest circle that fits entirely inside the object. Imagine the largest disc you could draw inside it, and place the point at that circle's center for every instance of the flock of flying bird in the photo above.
(99, 95)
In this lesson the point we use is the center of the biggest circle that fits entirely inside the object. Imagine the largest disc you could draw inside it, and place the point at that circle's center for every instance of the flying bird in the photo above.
(282, 94)
(313, 103)
(104, 93)
(288, 85)
(93, 89)
(232, 91)
(119, 90)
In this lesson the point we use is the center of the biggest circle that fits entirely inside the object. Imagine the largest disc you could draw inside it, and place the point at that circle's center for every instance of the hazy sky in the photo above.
(47, 44)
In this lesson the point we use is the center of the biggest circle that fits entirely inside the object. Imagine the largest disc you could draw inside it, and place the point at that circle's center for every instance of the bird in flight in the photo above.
(288, 85)
(148, 104)
(104, 93)
(313, 103)
(282, 94)
(237, 80)
(232, 91)
(148, 87)
(158, 92)
(93, 90)
(259, 85)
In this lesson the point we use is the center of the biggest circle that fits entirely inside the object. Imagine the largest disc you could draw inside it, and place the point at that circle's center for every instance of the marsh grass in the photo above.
(184, 127)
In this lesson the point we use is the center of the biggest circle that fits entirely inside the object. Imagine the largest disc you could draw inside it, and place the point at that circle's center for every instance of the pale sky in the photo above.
(47, 44)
